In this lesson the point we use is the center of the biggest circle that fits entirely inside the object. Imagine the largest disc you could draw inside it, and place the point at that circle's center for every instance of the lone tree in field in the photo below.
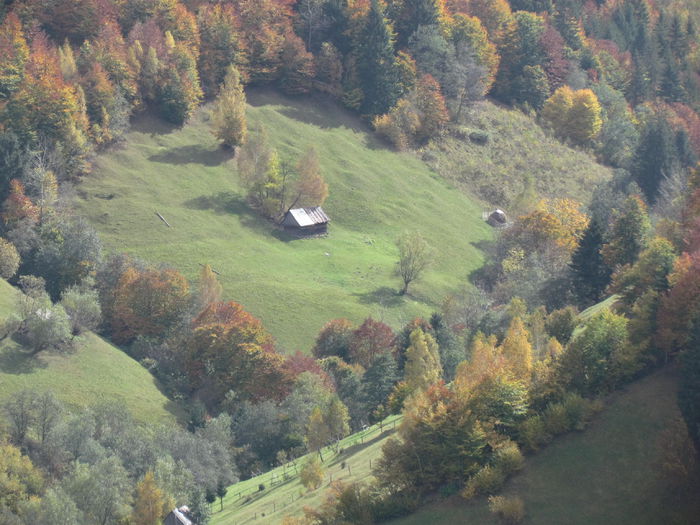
(415, 256)
(228, 119)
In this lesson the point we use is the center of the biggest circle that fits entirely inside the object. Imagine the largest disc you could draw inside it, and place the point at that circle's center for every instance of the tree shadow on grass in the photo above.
(148, 122)
(226, 202)
(14, 360)
(384, 296)
(193, 154)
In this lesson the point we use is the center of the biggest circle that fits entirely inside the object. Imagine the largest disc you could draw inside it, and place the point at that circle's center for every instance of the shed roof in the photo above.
(309, 216)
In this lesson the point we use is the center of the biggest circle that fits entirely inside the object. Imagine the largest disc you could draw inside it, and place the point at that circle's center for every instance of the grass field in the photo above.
(608, 474)
(294, 286)
(517, 155)
(96, 371)
(285, 495)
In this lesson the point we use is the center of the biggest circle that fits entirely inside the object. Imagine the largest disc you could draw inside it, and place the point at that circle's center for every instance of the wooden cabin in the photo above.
(306, 221)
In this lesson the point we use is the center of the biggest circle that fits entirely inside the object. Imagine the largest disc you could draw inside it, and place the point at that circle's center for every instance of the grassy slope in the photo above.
(244, 503)
(95, 372)
(295, 286)
(517, 148)
(607, 474)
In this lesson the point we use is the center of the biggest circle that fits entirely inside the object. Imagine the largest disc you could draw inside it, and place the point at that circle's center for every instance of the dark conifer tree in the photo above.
(379, 379)
(451, 354)
(413, 14)
(655, 157)
(589, 273)
(377, 66)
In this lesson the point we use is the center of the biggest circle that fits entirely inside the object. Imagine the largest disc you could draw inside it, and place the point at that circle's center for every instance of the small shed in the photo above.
(306, 221)
(178, 517)
(497, 218)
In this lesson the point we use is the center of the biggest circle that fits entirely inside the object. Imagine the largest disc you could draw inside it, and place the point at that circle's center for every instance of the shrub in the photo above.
(556, 420)
(511, 509)
(578, 410)
(479, 137)
(487, 480)
(311, 475)
(533, 434)
(9, 259)
(509, 459)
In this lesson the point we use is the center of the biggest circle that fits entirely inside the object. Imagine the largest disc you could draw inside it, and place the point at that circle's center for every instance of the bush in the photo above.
(479, 137)
(533, 434)
(556, 420)
(9, 259)
(487, 480)
(509, 459)
(511, 509)
(311, 475)
(578, 410)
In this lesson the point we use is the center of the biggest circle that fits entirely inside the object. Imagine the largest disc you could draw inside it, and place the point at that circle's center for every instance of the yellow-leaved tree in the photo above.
(574, 115)
(423, 366)
(151, 504)
(517, 350)
(228, 119)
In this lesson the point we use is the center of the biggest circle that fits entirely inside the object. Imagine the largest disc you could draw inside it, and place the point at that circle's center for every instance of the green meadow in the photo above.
(94, 372)
(295, 286)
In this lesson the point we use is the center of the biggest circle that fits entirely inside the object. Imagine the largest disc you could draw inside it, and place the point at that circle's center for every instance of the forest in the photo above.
(502, 367)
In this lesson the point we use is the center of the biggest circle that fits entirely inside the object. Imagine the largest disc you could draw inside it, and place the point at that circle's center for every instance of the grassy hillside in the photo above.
(96, 371)
(608, 474)
(282, 496)
(517, 155)
(294, 286)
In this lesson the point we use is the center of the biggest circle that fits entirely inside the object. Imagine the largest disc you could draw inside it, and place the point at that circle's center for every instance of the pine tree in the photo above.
(229, 120)
(379, 75)
(378, 381)
(422, 361)
(628, 234)
(655, 157)
(589, 272)
(416, 13)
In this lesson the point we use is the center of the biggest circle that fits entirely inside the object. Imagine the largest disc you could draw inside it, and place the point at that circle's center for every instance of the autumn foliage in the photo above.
(229, 350)
(147, 303)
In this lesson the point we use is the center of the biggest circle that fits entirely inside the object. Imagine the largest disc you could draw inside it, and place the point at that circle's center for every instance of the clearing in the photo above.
(294, 286)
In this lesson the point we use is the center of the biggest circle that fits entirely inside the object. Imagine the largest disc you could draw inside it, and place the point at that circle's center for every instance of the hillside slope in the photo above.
(609, 473)
(294, 286)
(96, 371)
(517, 157)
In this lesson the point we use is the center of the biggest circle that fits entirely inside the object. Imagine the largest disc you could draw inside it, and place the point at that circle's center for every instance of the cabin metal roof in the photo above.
(309, 216)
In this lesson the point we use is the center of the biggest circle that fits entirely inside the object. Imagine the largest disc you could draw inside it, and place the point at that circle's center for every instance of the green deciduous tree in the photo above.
(311, 474)
(591, 362)
(415, 256)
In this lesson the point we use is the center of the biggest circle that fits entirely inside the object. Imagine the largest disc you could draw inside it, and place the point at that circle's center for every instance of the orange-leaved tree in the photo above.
(230, 350)
(147, 302)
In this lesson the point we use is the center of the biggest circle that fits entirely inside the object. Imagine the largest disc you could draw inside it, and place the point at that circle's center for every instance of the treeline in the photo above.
(613, 76)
